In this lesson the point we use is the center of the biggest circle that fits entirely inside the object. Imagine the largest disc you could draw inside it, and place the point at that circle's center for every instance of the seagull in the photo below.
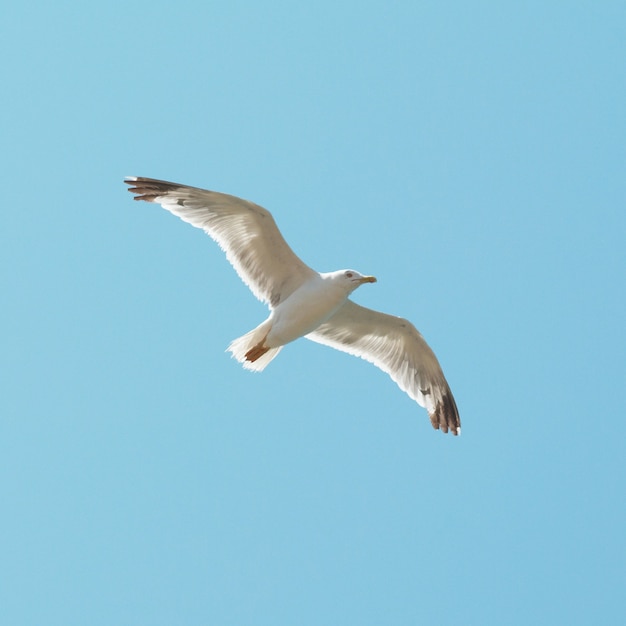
(303, 302)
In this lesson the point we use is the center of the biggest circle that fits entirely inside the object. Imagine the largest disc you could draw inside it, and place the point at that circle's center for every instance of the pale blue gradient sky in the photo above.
(471, 155)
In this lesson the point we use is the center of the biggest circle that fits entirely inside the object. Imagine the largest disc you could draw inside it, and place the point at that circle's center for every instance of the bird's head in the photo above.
(351, 279)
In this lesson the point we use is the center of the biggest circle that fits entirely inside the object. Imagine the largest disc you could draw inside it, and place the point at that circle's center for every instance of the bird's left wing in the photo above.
(395, 346)
(245, 231)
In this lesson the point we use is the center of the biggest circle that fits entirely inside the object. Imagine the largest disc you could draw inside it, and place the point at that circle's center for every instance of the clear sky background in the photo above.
(471, 155)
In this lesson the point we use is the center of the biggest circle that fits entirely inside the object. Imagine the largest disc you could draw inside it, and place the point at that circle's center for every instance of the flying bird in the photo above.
(303, 302)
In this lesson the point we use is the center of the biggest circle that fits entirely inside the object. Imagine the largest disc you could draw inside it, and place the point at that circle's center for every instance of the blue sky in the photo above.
(471, 156)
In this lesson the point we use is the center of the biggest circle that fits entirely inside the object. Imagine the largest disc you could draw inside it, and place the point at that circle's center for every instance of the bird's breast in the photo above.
(303, 311)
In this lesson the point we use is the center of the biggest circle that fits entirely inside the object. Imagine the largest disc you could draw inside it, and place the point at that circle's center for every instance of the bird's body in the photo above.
(303, 302)
(309, 306)
(302, 312)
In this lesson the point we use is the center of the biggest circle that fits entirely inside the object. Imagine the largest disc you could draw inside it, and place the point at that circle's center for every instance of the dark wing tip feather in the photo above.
(149, 189)
(446, 415)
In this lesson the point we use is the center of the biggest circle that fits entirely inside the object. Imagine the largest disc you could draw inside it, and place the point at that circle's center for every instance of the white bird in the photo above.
(303, 302)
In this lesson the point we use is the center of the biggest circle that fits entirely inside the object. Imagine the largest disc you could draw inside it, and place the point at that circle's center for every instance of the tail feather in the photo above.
(241, 346)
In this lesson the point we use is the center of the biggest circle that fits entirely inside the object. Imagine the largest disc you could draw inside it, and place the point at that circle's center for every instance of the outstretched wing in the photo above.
(395, 346)
(245, 231)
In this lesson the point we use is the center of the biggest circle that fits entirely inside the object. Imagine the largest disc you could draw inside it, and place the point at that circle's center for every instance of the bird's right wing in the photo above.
(395, 346)
(245, 231)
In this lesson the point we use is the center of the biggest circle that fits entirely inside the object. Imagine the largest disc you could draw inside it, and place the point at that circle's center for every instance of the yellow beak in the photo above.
(367, 279)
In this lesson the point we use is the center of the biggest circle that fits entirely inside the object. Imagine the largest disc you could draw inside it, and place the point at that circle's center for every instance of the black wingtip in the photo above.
(445, 417)
(149, 189)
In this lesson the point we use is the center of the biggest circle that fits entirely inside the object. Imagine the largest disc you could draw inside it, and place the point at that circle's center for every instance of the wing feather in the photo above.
(395, 346)
(245, 231)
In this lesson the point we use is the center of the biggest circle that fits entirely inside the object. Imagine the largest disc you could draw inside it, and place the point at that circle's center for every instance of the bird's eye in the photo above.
(349, 274)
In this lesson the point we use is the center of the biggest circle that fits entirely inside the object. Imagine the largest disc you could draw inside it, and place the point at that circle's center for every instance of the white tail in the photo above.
(241, 346)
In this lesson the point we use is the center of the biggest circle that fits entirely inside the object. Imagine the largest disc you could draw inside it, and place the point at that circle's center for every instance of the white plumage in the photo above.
(303, 302)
